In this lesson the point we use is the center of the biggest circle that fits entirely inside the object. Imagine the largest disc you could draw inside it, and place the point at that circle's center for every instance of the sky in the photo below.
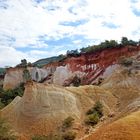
(35, 29)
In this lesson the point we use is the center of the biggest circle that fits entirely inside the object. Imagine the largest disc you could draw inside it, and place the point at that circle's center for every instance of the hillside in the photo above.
(126, 128)
(44, 107)
(42, 62)
(124, 85)
(90, 95)
(2, 71)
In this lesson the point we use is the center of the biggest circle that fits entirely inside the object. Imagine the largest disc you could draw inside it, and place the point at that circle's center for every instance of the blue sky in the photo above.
(35, 29)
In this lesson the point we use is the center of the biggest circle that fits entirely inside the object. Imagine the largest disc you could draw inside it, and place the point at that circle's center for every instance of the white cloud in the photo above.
(117, 12)
(24, 21)
(10, 56)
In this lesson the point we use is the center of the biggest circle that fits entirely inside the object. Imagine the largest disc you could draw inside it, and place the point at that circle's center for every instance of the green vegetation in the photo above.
(97, 108)
(92, 119)
(26, 75)
(24, 64)
(7, 96)
(68, 122)
(73, 53)
(69, 135)
(94, 114)
(76, 81)
(5, 133)
(125, 42)
(103, 45)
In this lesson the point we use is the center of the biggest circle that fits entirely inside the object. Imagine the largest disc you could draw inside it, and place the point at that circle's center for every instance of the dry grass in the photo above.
(127, 128)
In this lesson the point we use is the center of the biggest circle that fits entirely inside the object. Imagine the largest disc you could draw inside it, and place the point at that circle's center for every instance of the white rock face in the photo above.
(14, 76)
(50, 100)
(61, 74)
(110, 70)
(38, 74)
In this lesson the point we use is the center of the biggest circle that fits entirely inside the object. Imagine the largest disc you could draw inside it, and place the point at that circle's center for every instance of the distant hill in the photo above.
(42, 62)
(2, 71)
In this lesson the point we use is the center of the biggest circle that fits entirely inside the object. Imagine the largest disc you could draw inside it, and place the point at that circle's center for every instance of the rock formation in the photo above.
(14, 76)
(124, 85)
(43, 108)
(89, 67)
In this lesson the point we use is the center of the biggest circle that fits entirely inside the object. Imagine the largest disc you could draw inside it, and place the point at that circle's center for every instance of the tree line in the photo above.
(103, 45)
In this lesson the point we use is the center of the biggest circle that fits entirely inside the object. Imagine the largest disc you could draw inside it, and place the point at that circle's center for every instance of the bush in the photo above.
(68, 122)
(26, 75)
(97, 108)
(94, 114)
(76, 81)
(69, 136)
(92, 119)
(124, 41)
(7, 96)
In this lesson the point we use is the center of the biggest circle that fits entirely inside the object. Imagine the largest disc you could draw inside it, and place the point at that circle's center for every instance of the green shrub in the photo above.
(94, 114)
(69, 136)
(97, 108)
(92, 119)
(68, 122)
(26, 75)
(7, 96)
(76, 81)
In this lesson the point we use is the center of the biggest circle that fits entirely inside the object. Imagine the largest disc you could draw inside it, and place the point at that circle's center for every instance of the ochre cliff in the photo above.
(88, 67)
(43, 108)
(91, 66)
(14, 76)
